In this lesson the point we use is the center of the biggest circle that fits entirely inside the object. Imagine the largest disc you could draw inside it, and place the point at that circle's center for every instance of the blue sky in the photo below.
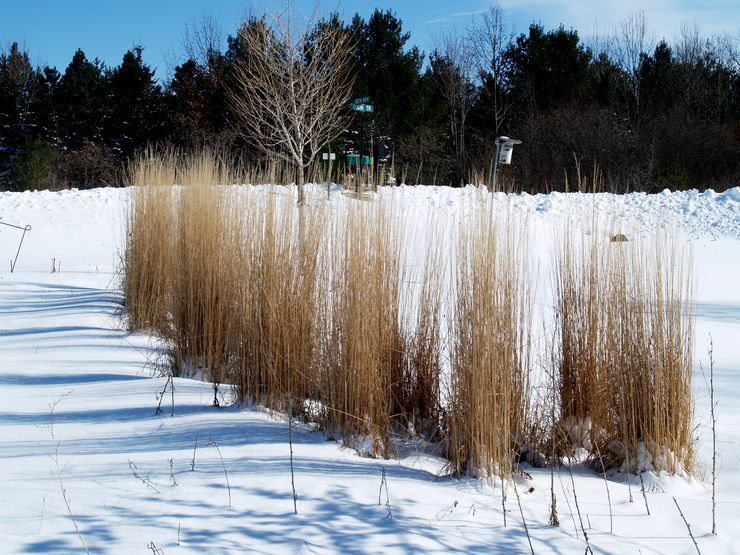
(53, 29)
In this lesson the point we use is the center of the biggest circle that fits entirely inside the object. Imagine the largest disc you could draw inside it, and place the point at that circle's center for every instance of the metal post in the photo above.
(328, 177)
(362, 138)
(495, 167)
(24, 229)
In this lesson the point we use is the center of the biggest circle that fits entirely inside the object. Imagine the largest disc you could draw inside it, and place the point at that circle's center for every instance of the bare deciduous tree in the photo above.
(453, 61)
(688, 47)
(203, 39)
(689, 50)
(490, 37)
(631, 41)
(293, 86)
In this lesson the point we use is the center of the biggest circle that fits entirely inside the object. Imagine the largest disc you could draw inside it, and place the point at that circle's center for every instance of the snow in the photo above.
(78, 424)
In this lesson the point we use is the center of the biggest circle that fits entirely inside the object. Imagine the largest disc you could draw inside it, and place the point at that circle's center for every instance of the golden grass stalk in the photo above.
(416, 393)
(489, 389)
(201, 276)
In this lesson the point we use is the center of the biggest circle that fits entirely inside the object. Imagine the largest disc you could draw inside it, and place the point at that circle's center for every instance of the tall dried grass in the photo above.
(278, 312)
(490, 388)
(364, 348)
(625, 353)
(150, 237)
(417, 394)
(317, 310)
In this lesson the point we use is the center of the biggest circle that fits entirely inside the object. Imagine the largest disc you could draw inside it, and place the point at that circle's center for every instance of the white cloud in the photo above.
(665, 17)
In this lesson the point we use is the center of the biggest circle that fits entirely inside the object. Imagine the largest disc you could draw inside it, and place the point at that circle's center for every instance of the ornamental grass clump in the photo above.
(278, 305)
(150, 238)
(363, 349)
(625, 353)
(490, 354)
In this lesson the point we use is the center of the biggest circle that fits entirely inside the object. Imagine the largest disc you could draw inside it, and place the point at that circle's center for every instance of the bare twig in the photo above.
(160, 396)
(195, 447)
(43, 507)
(384, 483)
(567, 501)
(688, 526)
(714, 436)
(228, 486)
(290, 443)
(578, 510)
(606, 484)
(554, 521)
(524, 522)
(644, 495)
(59, 470)
(172, 471)
(145, 481)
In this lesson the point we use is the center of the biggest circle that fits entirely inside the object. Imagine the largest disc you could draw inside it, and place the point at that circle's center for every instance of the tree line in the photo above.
(623, 112)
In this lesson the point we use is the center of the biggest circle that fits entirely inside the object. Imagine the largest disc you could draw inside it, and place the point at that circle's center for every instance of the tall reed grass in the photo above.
(277, 306)
(625, 351)
(490, 354)
(150, 238)
(336, 312)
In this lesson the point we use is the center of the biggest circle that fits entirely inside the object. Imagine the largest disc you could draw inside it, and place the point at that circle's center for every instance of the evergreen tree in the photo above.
(659, 78)
(386, 72)
(45, 106)
(137, 106)
(18, 81)
(81, 102)
(550, 68)
(198, 100)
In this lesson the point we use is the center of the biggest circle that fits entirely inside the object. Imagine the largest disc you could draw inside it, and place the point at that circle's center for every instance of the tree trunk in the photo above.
(301, 178)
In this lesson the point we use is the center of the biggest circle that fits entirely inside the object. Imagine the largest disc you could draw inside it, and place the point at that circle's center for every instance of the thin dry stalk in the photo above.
(524, 522)
(416, 395)
(712, 406)
(688, 526)
(213, 443)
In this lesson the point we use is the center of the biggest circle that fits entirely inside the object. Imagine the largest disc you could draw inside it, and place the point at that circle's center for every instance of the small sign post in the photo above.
(363, 106)
(328, 157)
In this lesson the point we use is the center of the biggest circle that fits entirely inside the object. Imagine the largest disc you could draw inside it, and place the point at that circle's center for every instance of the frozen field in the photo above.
(86, 462)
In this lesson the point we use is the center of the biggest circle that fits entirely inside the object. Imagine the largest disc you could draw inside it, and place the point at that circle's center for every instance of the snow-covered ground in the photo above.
(84, 457)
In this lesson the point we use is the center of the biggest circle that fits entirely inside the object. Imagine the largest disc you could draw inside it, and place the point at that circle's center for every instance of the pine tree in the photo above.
(549, 68)
(81, 102)
(386, 71)
(20, 85)
(137, 106)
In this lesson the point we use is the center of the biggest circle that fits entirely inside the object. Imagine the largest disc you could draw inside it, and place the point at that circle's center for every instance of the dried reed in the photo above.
(364, 349)
(490, 389)
(626, 338)
(150, 239)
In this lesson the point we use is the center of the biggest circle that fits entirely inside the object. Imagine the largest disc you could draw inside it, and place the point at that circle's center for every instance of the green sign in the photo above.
(368, 108)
